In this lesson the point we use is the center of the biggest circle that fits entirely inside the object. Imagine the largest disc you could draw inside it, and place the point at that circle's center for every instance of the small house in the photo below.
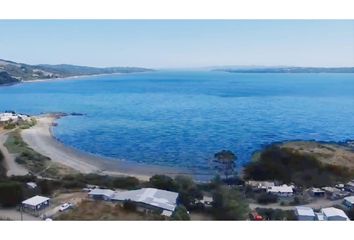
(317, 192)
(150, 199)
(331, 192)
(101, 194)
(339, 186)
(334, 214)
(35, 204)
(349, 202)
(305, 213)
(349, 186)
(260, 185)
(281, 191)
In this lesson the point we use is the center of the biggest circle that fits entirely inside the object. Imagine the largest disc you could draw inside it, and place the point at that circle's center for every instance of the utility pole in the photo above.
(21, 212)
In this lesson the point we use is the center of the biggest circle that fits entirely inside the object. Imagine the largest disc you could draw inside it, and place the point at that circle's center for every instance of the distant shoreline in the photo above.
(41, 139)
(76, 77)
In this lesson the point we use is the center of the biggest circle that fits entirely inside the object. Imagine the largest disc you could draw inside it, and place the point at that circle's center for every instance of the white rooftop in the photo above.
(99, 191)
(351, 183)
(319, 216)
(283, 189)
(32, 184)
(166, 213)
(305, 211)
(34, 201)
(151, 196)
(333, 212)
(318, 190)
(349, 199)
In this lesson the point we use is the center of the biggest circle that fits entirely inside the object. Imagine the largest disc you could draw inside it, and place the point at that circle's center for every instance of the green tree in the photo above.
(2, 169)
(228, 204)
(163, 182)
(225, 162)
(11, 193)
(129, 205)
(188, 191)
(180, 213)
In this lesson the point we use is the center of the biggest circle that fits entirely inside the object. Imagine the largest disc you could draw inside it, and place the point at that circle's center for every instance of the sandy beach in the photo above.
(76, 77)
(41, 139)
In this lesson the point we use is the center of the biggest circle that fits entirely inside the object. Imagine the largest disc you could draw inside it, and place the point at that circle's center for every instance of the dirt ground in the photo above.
(100, 210)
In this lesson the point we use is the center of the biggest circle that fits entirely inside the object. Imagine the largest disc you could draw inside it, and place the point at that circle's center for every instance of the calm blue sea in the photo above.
(181, 118)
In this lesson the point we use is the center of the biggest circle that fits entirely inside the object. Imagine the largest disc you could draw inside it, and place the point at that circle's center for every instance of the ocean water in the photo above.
(181, 118)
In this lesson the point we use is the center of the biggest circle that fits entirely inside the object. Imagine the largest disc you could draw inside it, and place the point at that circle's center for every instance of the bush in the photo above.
(47, 187)
(266, 198)
(163, 182)
(188, 191)
(129, 205)
(126, 182)
(10, 126)
(228, 204)
(11, 193)
(180, 213)
(2, 168)
(276, 214)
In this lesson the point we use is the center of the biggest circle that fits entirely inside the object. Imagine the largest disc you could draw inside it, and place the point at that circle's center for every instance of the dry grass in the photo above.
(100, 210)
(326, 153)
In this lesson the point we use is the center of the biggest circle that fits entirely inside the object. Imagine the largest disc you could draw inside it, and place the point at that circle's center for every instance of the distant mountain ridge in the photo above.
(13, 72)
(287, 70)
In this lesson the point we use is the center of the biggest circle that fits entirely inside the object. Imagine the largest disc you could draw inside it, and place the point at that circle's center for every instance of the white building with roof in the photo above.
(35, 204)
(349, 186)
(150, 199)
(305, 213)
(317, 192)
(8, 117)
(281, 191)
(334, 214)
(101, 194)
(349, 202)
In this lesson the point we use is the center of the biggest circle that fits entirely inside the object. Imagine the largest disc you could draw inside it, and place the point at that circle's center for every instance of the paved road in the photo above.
(12, 167)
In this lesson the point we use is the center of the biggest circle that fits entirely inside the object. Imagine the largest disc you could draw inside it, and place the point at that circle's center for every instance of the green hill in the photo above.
(12, 72)
(5, 78)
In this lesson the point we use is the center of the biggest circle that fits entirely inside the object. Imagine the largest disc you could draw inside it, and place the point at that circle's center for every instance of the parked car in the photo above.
(65, 206)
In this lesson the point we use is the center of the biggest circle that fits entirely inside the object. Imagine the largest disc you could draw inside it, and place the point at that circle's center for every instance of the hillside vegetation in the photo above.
(12, 72)
(5, 78)
(291, 165)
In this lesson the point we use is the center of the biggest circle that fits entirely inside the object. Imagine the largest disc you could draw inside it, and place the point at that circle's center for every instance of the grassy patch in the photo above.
(28, 124)
(14, 143)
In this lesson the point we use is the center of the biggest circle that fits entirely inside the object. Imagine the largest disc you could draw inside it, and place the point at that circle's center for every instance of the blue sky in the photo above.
(179, 43)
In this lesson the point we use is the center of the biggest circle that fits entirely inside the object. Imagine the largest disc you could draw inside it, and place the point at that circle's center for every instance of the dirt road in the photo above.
(10, 164)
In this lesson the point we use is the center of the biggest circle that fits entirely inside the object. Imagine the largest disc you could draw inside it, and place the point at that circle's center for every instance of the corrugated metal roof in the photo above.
(98, 191)
(350, 199)
(333, 212)
(151, 196)
(305, 211)
(34, 201)
(282, 189)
